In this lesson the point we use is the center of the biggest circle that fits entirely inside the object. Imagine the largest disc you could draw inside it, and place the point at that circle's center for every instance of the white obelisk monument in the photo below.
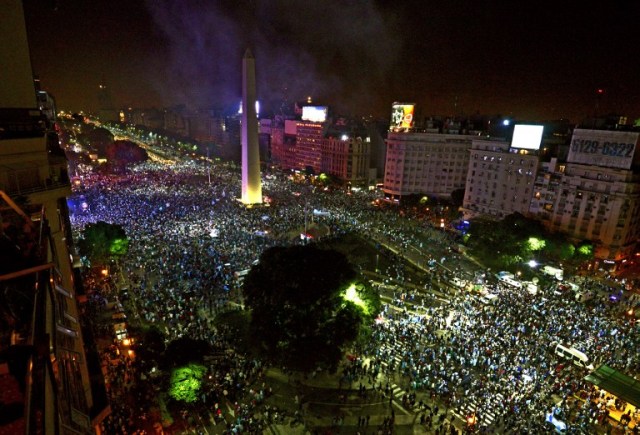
(251, 182)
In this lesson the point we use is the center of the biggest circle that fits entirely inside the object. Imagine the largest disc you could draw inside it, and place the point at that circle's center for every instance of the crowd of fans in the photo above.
(498, 357)
(190, 236)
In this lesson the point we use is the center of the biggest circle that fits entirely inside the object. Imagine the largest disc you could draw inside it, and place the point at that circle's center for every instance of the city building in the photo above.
(347, 158)
(283, 143)
(597, 192)
(500, 180)
(545, 189)
(309, 137)
(425, 163)
(45, 373)
(340, 147)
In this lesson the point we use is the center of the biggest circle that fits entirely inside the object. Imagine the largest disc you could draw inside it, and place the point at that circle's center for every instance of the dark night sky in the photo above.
(534, 60)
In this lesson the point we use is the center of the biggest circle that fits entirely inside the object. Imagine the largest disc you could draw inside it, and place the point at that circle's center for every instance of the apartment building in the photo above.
(597, 192)
(43, 363)
(500, 179)
(425, 163)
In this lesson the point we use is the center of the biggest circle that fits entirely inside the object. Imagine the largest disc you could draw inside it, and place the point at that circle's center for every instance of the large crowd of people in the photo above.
(190, 236)
(499, 357)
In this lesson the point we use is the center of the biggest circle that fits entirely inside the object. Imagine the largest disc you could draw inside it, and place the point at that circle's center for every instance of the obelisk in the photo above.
(251, 182)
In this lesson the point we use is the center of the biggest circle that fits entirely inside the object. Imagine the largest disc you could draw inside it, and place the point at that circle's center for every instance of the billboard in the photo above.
(314, 113)
(401, 116)
(527, 137)
(611, 149)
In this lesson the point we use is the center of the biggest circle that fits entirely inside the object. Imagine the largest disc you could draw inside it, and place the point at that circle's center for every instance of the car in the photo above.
(584, 296)
(504, 274)
(489, 299)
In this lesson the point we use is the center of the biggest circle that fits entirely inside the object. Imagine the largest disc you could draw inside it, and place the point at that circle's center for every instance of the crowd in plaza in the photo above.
(189, 236)
(499, 357)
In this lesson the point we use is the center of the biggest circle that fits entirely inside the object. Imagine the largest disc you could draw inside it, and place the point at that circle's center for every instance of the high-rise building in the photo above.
(425, 163)
(347, 158)
(309, 136)
(283, 143)
(43, 363)
(500, 180)
(597, 192)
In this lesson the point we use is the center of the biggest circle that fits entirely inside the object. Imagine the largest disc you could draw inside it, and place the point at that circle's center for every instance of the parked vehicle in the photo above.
(574, 355)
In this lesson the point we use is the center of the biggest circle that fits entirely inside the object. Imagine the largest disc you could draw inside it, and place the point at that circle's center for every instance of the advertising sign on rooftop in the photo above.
(527, 137)
(611, 149)
(401, 116)
(314, 113)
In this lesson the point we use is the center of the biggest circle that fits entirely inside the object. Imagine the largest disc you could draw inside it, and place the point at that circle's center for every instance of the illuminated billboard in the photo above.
(314, 113)
(401, 116)
(527, 137)
(612, 149)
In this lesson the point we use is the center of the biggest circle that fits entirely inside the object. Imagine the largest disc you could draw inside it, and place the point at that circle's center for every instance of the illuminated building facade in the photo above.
(597, 193)
(425, 163)
(283, 143)
(500, 180)
(309, 136)
(347, 158)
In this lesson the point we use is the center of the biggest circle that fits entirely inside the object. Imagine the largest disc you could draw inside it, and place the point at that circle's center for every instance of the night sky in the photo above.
(535, 60)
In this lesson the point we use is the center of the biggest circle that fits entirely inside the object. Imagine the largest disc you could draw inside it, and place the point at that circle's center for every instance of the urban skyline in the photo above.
(359, 57)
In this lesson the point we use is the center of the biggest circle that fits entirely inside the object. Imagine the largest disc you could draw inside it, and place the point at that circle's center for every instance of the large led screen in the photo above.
(402, 116)
(527, 137)
(314, 113)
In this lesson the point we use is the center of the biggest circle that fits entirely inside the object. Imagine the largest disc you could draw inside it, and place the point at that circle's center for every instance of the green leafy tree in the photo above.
(102, 241)
(186, 381)
(306, 305)
(585, 251)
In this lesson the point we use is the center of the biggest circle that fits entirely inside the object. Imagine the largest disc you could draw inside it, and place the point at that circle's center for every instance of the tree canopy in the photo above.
(307, 305)
(186, 381)
(516, 240)
(102, 241)
(124, 152)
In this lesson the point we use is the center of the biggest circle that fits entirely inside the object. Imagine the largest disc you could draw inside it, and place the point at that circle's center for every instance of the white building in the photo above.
(597, 193)
(425, 163)
(499, 179)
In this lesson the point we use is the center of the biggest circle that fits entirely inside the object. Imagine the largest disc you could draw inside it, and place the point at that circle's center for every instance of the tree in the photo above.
(124, 152)
(185, 350)
(457, 197)
(150, 346)
(306, 305)
(95, 138)
(186, 382)
(102, 241)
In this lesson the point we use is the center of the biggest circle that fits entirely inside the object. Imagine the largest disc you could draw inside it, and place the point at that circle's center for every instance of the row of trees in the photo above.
(517, 240)
(118, 153)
